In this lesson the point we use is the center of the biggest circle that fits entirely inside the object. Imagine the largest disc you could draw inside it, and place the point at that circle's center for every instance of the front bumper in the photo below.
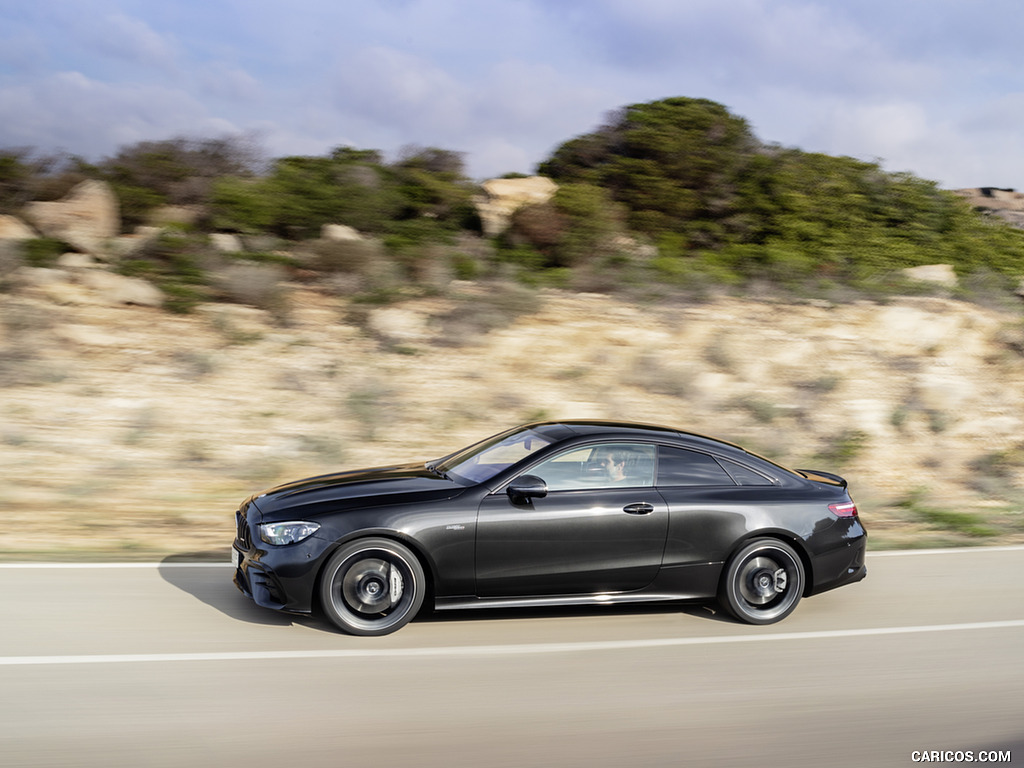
(279, 578)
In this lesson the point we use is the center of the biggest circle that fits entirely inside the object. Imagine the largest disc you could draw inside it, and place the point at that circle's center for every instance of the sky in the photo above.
(932, 87)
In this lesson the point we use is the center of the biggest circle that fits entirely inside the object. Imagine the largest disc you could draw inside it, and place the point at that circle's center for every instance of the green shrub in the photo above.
(964, 523)
(844, 447)
(354, 256)
(259, 285)
(174, 263)
(476, 316)
(762, 410)
(43, 251)
(695, 179)
(651, 374)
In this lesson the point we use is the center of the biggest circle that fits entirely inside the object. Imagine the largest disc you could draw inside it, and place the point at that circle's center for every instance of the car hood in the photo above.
(354, 490)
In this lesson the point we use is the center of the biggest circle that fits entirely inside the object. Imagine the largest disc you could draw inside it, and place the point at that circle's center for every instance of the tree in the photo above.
(670, 162)
(695, 180)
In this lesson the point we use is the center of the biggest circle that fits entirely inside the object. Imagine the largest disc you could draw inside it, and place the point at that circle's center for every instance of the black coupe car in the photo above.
(554, 513)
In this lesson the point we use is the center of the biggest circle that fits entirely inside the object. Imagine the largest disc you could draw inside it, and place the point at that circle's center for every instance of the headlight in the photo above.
(290, 532)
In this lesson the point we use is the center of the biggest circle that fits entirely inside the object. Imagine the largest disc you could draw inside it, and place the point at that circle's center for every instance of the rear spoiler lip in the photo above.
(817, 474)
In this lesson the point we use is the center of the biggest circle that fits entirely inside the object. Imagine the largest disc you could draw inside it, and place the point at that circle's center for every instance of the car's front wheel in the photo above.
(372, 587)
(763, 582)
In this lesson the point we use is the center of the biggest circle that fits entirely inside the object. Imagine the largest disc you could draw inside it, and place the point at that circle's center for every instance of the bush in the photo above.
(259, 285)
(242, 205)
(353, 256)
(694, 178)
(43, 251)
(844, 447)
(476, 316)
(175, 264)
(958, 522)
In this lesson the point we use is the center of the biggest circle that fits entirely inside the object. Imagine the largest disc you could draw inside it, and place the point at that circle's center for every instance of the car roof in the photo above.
(619, 429)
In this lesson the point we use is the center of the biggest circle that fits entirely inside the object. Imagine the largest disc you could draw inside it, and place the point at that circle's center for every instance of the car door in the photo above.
(591, 533)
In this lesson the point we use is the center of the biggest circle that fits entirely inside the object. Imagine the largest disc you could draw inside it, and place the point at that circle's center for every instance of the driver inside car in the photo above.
(614, 464)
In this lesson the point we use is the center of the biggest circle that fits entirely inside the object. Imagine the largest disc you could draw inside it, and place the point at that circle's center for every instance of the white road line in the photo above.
(499, 650)
(948, 551)
(227, 564)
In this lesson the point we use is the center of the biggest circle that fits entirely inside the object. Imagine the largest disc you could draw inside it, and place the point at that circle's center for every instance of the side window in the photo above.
(607, 465)
(677, 466)
(744, 475)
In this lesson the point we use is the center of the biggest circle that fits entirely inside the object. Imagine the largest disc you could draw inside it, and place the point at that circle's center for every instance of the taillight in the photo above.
(845, 509)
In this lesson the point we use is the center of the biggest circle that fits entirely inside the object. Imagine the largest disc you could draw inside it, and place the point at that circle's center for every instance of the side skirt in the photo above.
(614, 598)
(673, 584)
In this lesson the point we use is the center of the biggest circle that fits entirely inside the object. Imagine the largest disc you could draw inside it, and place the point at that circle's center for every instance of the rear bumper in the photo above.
(843, 565)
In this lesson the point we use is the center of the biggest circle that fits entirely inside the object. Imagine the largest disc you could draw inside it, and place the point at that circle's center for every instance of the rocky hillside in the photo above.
(127, 430)
(130, 431)
(1005, 204)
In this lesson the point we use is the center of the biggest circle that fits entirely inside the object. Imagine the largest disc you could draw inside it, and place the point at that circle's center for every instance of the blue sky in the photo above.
(934, 87)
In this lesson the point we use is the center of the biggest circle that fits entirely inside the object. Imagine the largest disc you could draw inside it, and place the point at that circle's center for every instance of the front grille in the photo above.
(242, 531)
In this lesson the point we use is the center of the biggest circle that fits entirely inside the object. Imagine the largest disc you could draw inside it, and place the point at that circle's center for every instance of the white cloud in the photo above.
(225, 82)
(71, 112)
(886, 129)
(926, 86)
(400, 90)
(133, 41)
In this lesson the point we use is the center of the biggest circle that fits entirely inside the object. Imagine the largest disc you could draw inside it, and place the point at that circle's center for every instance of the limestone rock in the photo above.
(906, 328)
(10, 260)
(993, 198)
(89, 335)
(398, 325)
(339, 232)
(64, 294)
(1013, 218)
(503, 197)
(86, 218)
(1005, 204)
(38, 276)
(260, 285)
(225, 242)
(76, 261)
(55, 286)
(943, 391)
(126, 246)
(261, 243)
(633, 248)
(13, 228)
(118, 289)
(939, 274)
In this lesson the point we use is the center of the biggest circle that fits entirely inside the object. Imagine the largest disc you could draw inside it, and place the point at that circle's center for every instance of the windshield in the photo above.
(482, 461)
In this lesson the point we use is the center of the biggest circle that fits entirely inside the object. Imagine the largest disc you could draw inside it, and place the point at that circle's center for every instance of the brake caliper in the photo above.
(780, 580)
(396, 584)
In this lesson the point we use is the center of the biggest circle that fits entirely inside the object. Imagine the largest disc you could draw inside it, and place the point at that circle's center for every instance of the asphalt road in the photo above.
(168, 665)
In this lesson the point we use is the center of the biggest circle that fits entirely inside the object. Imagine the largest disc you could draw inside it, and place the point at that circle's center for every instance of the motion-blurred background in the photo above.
(339, 262)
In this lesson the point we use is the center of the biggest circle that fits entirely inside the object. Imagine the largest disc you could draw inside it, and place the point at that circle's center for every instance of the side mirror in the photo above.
(527, 487)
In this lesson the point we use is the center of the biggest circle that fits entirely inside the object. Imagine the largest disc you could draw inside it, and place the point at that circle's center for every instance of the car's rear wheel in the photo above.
(372, 587)
(763, 582)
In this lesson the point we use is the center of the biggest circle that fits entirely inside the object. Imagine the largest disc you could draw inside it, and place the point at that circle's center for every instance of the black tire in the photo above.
(763, 582)
(372, 587)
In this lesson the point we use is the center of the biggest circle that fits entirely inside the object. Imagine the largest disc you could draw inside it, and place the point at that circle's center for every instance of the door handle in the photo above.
(640, 508)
